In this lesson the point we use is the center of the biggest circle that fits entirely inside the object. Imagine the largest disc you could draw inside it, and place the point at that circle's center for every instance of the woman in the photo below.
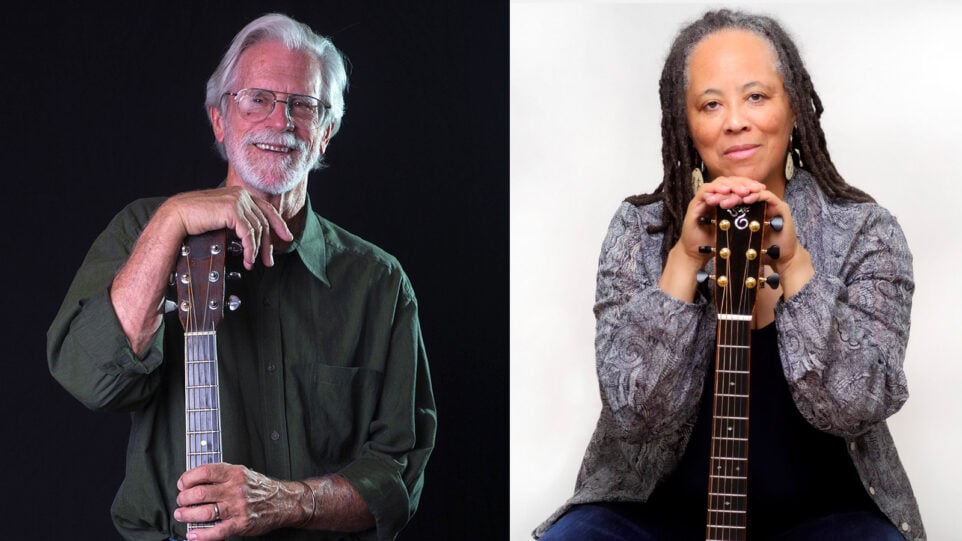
(740, 111)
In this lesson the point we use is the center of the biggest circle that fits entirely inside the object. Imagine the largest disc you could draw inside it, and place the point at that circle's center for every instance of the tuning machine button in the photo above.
(706, 249)
(771, 281)
(705, 220)
(773, 251)
(776, 223)
(720, 281)
(233, 303)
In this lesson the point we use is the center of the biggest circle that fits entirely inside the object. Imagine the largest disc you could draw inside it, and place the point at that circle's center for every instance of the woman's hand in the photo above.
(685, 260)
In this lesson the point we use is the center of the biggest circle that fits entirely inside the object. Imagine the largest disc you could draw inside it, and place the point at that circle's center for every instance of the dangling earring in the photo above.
(697, 178)
(789, 162)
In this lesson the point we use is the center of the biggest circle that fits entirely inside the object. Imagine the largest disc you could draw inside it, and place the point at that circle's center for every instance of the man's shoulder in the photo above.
(342, 244)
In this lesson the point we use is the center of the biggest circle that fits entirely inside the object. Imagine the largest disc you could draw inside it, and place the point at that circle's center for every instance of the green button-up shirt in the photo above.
(322, 370)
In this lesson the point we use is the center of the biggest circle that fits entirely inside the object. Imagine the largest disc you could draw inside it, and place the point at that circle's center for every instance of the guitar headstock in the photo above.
(738, 240)
(200, 280)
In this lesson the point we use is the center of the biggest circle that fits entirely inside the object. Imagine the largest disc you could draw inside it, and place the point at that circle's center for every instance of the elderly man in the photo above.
(328, 417)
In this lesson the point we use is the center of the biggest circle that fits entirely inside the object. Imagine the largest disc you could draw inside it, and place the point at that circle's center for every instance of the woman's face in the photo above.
(738, 111)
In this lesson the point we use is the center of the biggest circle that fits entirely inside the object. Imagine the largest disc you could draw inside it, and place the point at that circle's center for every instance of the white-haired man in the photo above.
(327, 410)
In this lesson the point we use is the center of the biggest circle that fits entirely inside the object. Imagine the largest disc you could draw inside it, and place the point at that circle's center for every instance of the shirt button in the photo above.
(905, 526)
(851, 446)
(271, 367)
(275, 436)
(871, 490)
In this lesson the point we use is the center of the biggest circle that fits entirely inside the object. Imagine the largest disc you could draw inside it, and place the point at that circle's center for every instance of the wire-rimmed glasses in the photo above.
(256, 104)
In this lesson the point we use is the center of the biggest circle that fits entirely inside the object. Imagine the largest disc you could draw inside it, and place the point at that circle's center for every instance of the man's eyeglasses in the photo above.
(256, 104)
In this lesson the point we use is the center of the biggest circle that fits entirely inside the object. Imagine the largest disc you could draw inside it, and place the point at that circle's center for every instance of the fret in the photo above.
(729, 458)
(730, 417)
(732, 511)
(732, 395)
(727, 346)
(740, 477)
(723, 371)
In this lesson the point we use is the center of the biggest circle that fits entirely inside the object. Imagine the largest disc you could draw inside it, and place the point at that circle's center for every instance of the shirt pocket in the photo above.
(332, 411)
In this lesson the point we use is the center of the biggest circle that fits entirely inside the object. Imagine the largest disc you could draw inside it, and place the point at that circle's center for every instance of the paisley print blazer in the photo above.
(841, 338)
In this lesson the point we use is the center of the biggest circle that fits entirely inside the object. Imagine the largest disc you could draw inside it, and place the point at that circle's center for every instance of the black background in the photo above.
(102, 106)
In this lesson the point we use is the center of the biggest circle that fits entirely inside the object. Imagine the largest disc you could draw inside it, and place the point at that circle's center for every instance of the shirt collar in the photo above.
(310, 245)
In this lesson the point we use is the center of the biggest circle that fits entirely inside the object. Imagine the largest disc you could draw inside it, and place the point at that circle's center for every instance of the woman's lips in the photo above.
(740, 152)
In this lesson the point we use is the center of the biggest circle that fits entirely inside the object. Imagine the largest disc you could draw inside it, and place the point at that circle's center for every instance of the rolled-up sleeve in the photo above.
(87, 351)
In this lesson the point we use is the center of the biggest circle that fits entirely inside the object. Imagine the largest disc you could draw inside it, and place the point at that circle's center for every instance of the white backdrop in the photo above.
(585, 133)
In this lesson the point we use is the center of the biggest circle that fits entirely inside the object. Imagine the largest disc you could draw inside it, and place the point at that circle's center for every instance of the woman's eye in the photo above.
(756, 97)
(710, 106)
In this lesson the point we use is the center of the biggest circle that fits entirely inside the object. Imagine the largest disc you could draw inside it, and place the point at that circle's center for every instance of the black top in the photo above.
(796, 471)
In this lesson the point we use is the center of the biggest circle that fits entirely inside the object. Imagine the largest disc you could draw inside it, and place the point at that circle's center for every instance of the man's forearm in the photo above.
(137, 292)
(335, 506)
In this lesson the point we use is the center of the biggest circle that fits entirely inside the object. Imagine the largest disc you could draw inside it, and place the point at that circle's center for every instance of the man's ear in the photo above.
(217, 123)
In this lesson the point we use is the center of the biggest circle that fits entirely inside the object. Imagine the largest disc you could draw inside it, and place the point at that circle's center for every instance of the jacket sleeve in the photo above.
(842, 337)
(87, 351)
(389, 471)
(652, 350)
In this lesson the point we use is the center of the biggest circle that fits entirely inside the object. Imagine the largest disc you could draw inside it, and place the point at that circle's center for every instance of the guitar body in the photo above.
(738, 241)
(200, 277)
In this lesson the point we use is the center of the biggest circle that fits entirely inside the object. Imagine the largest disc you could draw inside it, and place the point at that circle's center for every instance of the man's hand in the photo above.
(251, 218)
(137, 292)
(249, 503)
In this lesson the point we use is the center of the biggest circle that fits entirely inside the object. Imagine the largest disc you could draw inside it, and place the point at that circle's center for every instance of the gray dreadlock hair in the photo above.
(678, 152)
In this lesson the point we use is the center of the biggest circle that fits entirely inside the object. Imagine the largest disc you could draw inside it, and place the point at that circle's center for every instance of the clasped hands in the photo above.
(793, 265)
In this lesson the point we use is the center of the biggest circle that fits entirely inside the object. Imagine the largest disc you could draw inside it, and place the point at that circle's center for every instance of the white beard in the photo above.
(266, 171)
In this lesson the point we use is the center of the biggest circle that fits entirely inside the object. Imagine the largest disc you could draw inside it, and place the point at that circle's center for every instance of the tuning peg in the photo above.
(169, 306)
(776, 223)
(773, 251)
(233, 275)
(706, 249)
(233, 303)
(702, 276)
(772, 280)
(235, 247)
(705, 220)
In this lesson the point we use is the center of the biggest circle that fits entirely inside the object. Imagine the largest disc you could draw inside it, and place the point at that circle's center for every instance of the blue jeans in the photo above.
(627, 522)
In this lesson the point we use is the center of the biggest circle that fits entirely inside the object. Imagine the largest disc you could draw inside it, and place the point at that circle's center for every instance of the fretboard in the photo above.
(728, 474)
(202, 403)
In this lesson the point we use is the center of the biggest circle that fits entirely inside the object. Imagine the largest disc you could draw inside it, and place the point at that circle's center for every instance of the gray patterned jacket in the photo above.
(842, 340)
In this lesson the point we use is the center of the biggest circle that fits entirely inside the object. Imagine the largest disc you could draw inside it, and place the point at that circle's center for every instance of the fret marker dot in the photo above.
(203, 443)
(729, 429)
